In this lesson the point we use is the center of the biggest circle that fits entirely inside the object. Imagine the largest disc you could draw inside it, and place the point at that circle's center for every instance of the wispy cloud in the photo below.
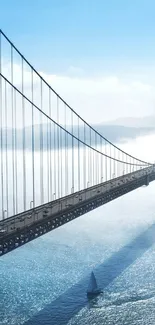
(96, 99)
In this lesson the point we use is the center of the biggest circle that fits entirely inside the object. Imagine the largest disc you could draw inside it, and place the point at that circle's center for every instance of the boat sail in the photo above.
(93, 289)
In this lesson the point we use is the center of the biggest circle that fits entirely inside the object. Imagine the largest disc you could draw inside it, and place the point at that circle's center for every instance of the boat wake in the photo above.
(108, 300)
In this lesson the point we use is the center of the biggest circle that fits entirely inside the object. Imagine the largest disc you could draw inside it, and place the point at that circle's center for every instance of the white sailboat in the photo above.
(93, 289)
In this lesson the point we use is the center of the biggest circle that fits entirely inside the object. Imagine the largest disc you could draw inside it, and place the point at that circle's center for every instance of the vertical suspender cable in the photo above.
(66, 191)
(1, 131)
(41, 147)
(54, 175)
(95, 164)
(83, 160)
(78, 157)
(58, 149)
(72, 153)
(110, 163)
(85, 156)
(23, 122)
(101, 180)
(16, 177)
(50, 145)
(93, 154)
(47, 155)
(105, 162)
(61, 188)
(126, 164)
(91, 161)
(6, 149)
(13, 171)
(114, 170)
(89, 177)
(33, 146)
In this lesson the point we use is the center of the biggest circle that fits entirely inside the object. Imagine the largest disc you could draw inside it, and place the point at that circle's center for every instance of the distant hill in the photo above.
(113, 133)
(116, 133)
(139, 122)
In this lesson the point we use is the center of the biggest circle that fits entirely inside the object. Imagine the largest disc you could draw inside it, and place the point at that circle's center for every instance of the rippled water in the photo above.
(45, 281)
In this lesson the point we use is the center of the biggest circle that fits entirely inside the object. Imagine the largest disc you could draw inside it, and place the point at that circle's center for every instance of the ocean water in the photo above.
(45, 281)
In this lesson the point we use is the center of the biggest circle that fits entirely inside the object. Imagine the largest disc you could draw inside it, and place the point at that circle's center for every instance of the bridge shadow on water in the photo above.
(67, 305)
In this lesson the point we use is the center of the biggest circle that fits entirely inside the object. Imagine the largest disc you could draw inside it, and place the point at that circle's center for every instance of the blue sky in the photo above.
(98, 55)
(55, 34)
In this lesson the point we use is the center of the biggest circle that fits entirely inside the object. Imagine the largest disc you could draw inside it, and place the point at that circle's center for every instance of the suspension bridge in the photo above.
(54, 166)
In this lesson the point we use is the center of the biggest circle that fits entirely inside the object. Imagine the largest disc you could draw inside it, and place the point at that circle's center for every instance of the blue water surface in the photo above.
(45, 281)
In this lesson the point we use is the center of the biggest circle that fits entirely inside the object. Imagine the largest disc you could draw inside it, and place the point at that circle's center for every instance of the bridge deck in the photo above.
(20, 229)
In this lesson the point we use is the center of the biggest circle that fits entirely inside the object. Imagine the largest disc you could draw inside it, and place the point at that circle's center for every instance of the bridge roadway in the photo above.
(26, 226)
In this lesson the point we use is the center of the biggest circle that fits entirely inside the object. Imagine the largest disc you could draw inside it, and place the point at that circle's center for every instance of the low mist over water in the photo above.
(45, 281)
